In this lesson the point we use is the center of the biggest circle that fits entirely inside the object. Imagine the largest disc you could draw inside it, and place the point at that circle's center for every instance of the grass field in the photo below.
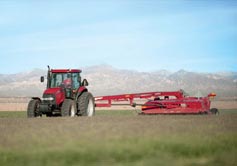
(119, 138)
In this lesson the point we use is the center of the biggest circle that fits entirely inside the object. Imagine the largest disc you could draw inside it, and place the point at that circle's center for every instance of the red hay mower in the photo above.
(162, 102)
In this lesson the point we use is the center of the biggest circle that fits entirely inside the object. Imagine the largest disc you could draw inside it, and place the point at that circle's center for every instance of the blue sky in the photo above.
(142, 35)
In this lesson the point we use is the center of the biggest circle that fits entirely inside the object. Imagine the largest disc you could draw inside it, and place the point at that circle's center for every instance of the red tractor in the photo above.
(65, 95)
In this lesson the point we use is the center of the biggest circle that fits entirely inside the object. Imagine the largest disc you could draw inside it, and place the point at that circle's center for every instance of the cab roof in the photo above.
(65, 70)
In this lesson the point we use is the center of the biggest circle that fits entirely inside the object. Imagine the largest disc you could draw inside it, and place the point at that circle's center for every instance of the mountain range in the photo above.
(107, 80)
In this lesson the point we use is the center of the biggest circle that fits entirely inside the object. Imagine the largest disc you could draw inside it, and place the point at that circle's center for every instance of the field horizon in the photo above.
(20, 104)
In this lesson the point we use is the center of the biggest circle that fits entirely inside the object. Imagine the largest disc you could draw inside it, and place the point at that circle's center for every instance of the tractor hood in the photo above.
(52, 90)
(56, 94)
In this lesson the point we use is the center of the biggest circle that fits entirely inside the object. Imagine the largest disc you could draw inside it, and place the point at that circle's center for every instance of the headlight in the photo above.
(48, 98)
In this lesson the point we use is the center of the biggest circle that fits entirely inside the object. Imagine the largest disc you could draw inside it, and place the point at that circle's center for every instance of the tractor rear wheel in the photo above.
(86, 104)
(68, 108)
(33, 109)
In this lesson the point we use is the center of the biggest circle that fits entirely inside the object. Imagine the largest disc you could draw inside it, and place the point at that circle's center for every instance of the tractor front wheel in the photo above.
(68, 108)
(86, 104)
(33, 109)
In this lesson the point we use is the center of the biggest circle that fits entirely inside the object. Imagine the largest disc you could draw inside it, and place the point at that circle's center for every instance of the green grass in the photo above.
(13, 114)
(119, 138)
(132, 112)
(228, 111)
(129, 152)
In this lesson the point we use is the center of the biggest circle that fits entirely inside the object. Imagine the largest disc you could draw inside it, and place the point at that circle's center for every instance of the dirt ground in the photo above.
(224, 104)
(21, 105)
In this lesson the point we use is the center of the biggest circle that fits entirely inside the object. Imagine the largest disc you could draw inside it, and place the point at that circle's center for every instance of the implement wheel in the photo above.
(214, 111)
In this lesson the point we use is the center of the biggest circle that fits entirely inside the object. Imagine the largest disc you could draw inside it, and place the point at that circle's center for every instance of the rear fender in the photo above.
(36, 98)
(81, 90)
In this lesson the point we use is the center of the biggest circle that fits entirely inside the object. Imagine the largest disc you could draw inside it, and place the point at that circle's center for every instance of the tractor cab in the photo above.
(67, 79)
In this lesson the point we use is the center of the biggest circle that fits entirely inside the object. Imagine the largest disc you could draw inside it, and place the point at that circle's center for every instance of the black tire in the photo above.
(68, 108)
(214, 111)
(86, 104)
(33, 109)
(49, 114)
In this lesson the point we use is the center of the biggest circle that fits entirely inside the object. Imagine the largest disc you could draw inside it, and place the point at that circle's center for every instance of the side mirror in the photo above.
(42, 79)
(85, 82)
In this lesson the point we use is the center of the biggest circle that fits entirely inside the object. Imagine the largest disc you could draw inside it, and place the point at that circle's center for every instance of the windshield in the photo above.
(59, 79)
